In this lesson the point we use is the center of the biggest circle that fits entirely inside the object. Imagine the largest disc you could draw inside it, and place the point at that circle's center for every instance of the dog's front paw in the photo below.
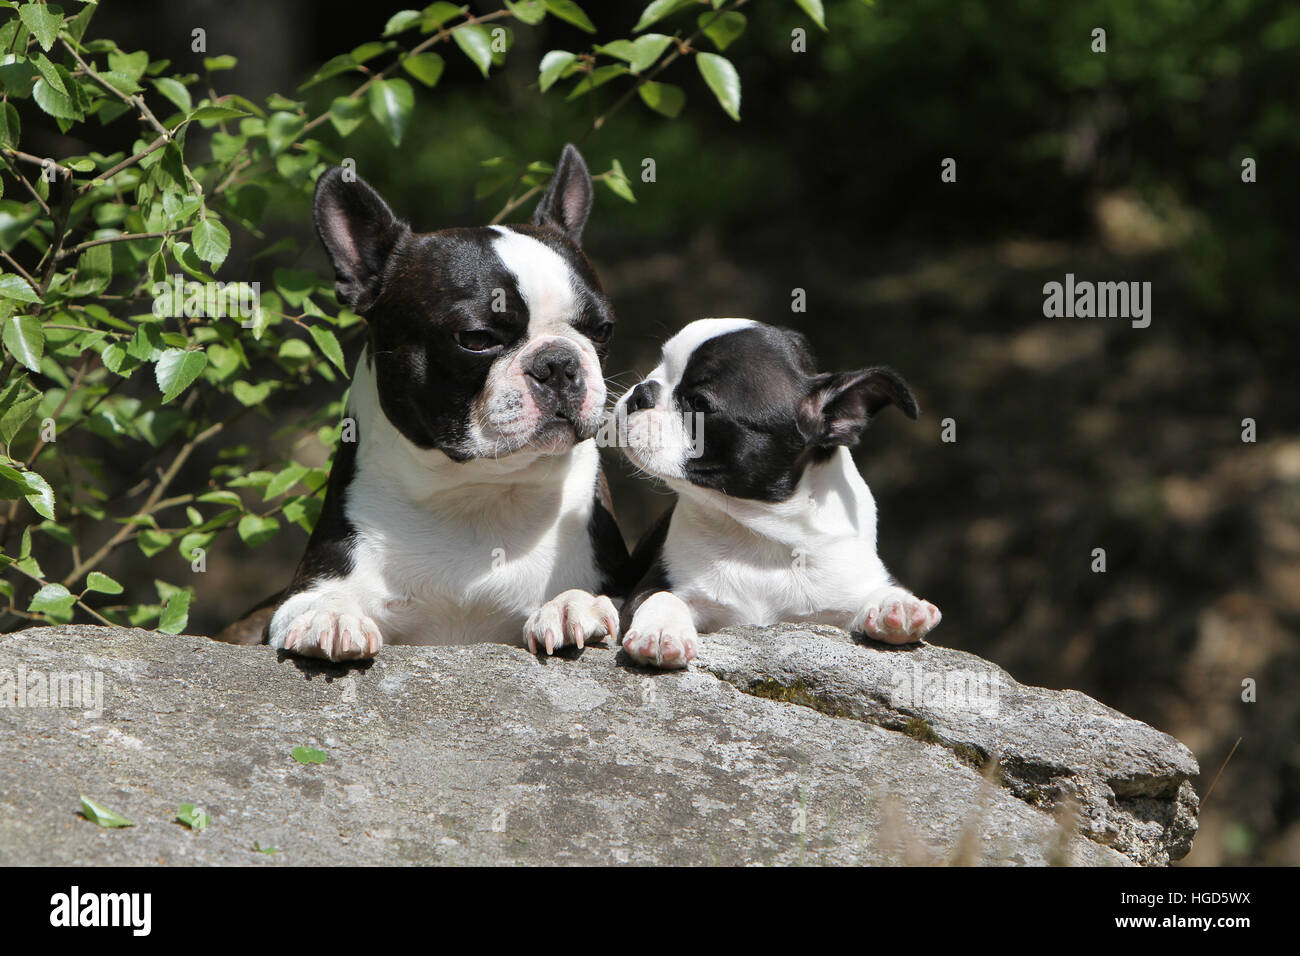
(571, 617)
(897, 616)
(662, 633)
(331, 634)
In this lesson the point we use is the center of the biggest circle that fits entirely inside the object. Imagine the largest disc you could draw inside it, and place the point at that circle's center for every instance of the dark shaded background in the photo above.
(1072, 434)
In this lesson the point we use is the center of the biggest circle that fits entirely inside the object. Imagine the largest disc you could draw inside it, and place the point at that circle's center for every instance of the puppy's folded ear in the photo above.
(359, 232)
(838, 405)
(568, 198)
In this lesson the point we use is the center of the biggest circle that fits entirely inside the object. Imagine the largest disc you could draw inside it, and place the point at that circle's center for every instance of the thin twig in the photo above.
(149, 506)
(125, 237)
(137, 102)
(158, 143)
(1217, 775)
(21, 271)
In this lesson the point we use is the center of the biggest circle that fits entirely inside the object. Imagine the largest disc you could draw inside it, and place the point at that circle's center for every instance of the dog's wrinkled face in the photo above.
(484, 341)
(738, 407)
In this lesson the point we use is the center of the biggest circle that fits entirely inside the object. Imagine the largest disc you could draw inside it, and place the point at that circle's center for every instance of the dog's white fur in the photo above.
(449, 552)
(733, 561)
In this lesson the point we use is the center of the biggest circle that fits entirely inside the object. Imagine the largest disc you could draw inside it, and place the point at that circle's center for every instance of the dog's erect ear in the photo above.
(359, 232)
(838, 405)
(568, 198)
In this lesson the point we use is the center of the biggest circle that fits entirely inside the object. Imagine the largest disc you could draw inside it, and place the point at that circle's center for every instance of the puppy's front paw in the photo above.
(662, 633)
(897, 616)
(571, 617)
(331, 634)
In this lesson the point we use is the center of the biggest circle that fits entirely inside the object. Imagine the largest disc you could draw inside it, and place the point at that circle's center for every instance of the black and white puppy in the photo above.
(471, 506)
(772, 522)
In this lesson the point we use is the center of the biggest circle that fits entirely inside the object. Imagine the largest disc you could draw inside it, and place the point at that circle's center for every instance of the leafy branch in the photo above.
(109, 334)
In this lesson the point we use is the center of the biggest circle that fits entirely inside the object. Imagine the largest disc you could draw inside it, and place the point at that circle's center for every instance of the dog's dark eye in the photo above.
(602, 333)
(696, 403)
(476, 341)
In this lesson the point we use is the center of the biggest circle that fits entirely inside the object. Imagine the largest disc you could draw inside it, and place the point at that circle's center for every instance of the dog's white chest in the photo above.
(468, 571)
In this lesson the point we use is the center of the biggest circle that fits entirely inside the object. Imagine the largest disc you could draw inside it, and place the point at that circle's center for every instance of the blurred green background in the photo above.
(1072, 434)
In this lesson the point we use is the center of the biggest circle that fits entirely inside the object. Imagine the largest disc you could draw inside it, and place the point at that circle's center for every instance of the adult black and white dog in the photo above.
(772, 521)
(471, 506)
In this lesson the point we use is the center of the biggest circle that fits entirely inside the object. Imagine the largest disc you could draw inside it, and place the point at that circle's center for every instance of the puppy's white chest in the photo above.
(767, 585)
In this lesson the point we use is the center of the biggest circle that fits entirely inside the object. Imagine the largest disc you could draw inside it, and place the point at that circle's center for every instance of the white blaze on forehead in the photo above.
(678, 350)
(545, 281)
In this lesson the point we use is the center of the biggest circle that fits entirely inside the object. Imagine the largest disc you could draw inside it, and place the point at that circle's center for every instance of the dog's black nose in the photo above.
(644, 395)
(556, 362)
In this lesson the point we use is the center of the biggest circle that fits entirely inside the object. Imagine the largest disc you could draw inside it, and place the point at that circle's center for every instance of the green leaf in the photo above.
(663, 98)
(530, 12)
(553, 66)
(391, 102)
(641, 53)
(659, 9)
(282, 129)
(51, 73)
(57, 104)
(328, 343)
(58, 533)
(175, 91)
(94, 270)
(476, 44)
(723, 29)
(618, 183)
(332, 67)
(151, 541)
(52, 599)
(192, 816)
(102, 583)
(723, 80)
(285, 480)
(43, 22)
(99, 814)
(215, 114)
(308, 755)
(129, 65)
(816, 12)
(177, 369)
(223, 62)
(24, 339)
(401, 21)
(436, 14)
(10, 126)
(42, 495)
(147, 344)
(211, 241)
(16, 287)
(570, 12)
(16, 415)
(220, 498)
(295, 350)
(175, 613)
(295, 284)
(425, 67)
(598, 77)
(250, 395)
(347, 114)
(255, 530)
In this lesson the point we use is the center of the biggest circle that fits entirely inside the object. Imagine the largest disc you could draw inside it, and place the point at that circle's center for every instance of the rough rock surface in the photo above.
(783, 746)
(1128, 781)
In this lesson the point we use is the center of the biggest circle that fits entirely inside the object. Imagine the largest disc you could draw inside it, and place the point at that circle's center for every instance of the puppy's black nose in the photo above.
(557, 363)
(644, 395)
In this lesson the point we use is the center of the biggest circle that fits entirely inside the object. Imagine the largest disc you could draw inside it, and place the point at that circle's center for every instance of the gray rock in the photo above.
(487, 755)
(1128, 781)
